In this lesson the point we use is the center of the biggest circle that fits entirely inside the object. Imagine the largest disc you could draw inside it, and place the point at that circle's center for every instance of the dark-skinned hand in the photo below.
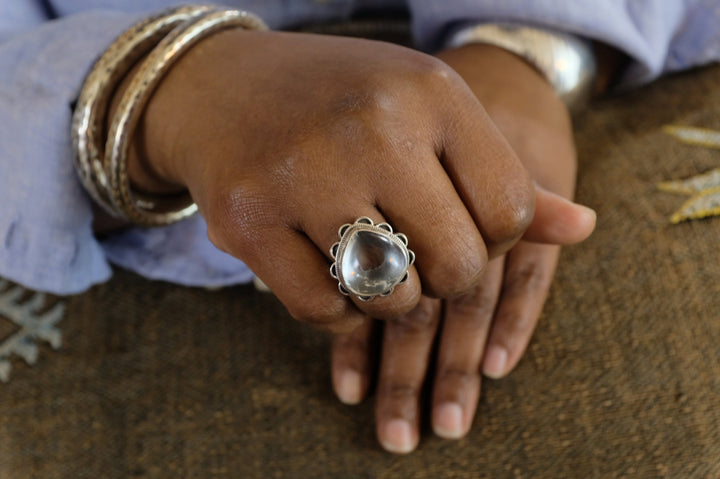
(486, 330)
(283, 137)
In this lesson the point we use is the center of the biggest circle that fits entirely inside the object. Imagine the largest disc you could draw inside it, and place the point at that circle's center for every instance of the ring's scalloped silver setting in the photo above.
(370, 260)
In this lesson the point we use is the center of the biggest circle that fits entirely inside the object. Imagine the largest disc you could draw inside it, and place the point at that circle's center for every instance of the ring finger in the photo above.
(465, 330)
(407, 344)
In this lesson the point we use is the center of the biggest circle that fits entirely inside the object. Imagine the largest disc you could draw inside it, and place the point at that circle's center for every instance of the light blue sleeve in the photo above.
(660, 36)
(46, 237)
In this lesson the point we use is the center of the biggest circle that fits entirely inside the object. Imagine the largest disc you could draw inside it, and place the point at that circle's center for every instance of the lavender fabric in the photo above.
(47, 47)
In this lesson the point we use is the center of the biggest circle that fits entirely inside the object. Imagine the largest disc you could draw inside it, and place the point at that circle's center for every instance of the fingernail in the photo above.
(495, 362)
(397, 437)
(587, 210)
(590, 214)
(349, 387)
(448, 421)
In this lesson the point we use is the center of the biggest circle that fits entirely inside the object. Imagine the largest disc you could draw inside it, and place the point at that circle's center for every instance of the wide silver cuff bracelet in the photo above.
(567, 61)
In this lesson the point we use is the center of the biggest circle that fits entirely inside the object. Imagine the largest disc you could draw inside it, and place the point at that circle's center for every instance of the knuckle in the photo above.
(530, 277)
(321, 314)
(421, 320)
(399, 390)
(359, 121)
(366, 101)
(512, 220)
(238, 216)
(433, 72)
(517, 326)
(510, 227)
(477, 306)
(457, 277)
(458, 376)
(353, 350)
(380, 93)
(400, 304)
(372, 97)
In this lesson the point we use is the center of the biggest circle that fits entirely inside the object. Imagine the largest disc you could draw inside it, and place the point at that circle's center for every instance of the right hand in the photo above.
(283, 137)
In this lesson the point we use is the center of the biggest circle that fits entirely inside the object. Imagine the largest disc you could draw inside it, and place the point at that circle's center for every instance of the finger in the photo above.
(407, 343)
(351, 362)
(529, 270)
(492, 182)
(325, 233)
(450, 252)
(465, 328)
(558, 220)
(285, 260)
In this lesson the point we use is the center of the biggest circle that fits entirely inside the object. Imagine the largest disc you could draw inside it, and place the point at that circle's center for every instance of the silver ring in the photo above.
(370, 260)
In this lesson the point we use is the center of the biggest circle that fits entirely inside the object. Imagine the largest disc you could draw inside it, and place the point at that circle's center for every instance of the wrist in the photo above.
(566, 61)
(102, 163)
(525, 108)
(147, 165)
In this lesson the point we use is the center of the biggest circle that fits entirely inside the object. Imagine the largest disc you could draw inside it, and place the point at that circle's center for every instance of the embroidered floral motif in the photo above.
(33, 324)
(704, 189)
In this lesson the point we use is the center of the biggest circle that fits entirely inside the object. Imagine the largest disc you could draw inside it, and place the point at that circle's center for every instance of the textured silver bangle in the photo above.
(157, 210)
(567, 61)
(89, 117)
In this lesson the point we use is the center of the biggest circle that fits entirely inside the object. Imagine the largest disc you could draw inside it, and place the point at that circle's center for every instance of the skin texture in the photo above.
(280, 149)
(487, 330)
(281, 138)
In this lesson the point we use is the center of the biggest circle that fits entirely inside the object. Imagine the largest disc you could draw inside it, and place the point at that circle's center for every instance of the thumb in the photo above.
(558, 220)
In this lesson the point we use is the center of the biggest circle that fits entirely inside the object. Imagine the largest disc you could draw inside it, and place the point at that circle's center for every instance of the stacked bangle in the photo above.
(102, 163)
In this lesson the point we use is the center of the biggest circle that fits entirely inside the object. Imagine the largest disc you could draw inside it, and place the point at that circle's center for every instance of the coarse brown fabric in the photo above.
(622, 378)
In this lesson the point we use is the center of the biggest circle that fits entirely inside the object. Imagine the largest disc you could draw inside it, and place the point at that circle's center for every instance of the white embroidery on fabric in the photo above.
(33, 322)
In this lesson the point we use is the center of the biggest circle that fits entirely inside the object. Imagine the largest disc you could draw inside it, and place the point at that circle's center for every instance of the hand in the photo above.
(488, 329)
(537, 125)
(281, 138)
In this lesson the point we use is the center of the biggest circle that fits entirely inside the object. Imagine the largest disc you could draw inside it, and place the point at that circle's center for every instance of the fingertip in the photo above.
(576, 225)
(495, 363)
(587, 219)
(448, 421)
(397, 436)
(349, 387)
(559, 220)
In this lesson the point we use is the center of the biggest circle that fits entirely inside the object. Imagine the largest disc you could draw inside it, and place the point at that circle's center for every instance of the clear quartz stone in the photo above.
(371, 263)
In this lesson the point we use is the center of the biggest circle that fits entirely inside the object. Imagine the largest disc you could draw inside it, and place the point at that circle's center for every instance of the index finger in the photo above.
(491, 180)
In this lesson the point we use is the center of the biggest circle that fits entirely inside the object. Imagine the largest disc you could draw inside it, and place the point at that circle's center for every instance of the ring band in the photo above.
(370, 259)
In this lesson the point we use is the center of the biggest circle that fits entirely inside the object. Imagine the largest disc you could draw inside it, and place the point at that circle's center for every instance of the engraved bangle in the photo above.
(566, 61)
(89, 116)
(157, 210)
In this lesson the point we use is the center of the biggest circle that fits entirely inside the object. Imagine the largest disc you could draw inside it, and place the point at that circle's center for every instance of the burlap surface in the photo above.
(622, 378)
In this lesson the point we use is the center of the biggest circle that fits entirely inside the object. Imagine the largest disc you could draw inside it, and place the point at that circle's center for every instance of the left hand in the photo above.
(489, 329)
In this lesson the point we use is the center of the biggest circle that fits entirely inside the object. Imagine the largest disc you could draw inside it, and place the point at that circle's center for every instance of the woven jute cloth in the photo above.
(621, 379)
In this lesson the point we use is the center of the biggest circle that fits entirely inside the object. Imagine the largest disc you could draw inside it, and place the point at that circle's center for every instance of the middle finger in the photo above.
(406, 349)
(465, 330)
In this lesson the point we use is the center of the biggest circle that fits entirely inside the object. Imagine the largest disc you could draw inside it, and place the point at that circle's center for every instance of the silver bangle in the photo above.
(102, 164)
(156, 210)
(566, 61)
(90, 113)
